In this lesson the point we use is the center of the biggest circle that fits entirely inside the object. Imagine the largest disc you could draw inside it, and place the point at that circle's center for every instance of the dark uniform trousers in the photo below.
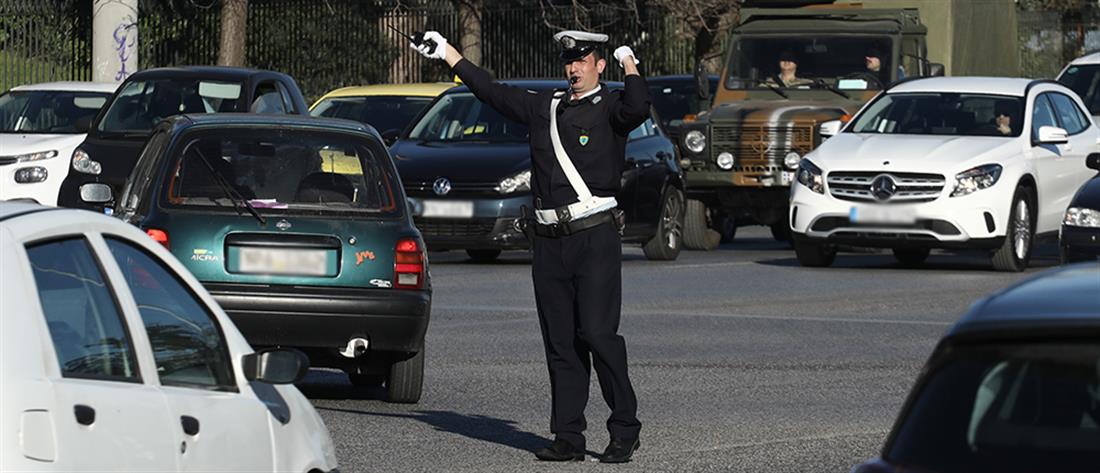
(578, 291)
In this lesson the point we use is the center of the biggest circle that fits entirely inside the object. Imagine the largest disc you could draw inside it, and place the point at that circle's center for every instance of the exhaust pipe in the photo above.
(356, 348)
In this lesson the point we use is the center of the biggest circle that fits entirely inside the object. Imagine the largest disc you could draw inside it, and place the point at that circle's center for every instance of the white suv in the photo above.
(1083, 76)
(960, 162)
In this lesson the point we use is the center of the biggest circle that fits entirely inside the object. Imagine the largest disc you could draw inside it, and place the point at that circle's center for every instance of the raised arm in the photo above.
(633, 109)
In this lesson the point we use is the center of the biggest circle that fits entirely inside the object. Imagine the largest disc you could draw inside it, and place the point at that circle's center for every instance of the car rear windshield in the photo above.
(384, 113)
(48, 111)
(1006, 408)
(942, 113)
(141, 104)
(462, 117)
(282, 171)
(1085, 80)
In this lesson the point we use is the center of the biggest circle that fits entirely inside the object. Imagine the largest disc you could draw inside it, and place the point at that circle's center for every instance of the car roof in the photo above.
(267, 119)
(210, 72)
(1093, 58)
(70, 86)
(1066, 298)
(424, 89)
(536, 84)
(966, 85)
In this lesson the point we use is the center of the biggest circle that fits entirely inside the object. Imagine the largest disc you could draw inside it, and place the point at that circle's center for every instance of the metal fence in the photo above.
(44, 40)
(1048, 41)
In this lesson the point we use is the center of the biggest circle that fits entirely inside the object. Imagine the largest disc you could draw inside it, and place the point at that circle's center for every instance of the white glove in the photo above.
(622, 52)
(440, 51)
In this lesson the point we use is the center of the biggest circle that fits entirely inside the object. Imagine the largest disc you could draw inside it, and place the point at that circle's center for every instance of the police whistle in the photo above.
(416, 38)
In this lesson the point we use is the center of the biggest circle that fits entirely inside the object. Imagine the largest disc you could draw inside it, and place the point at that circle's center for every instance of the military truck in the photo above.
(740, 158)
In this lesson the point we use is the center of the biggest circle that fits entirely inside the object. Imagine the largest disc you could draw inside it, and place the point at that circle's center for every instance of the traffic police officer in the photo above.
(578, 151)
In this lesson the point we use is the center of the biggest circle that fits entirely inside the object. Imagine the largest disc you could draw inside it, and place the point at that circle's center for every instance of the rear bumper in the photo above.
(326, 318)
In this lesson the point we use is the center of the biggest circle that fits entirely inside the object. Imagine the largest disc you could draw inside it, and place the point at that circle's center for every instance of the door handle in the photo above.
(85, 415)
(190, 425)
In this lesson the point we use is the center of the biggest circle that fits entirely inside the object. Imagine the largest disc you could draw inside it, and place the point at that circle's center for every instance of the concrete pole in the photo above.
(114, 39)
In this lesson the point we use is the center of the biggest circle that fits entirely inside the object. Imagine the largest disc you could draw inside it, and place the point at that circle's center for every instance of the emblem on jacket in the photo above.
(584, 140)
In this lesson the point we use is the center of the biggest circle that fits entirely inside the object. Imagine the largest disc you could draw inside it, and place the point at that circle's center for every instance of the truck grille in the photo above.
(455, 228)
(911, 187)
(761, 142)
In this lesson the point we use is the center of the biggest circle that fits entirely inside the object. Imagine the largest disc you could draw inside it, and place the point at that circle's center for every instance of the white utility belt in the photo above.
(587, 204)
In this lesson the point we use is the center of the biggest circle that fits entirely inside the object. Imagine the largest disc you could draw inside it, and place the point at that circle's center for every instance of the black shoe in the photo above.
(560, 451)
(620, 450)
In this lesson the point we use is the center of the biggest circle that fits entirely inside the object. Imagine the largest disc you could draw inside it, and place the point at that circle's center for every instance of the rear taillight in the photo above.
(408, 265)
(159, 236)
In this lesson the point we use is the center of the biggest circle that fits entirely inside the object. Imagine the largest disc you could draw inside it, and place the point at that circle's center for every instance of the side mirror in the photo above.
(83, 124)
(275, 366)
(96, 193)
(1052, 135)
(830, 128)
(1093, 161)
(390, 136)
(935, 69)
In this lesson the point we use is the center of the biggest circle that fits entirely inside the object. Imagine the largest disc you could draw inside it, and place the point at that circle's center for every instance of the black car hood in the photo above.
(460, 162)
(1089, 194)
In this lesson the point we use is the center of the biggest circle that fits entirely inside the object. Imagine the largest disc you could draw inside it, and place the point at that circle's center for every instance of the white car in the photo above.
(40, 127)
(1083, 76)
(959, 162)
(114, 358)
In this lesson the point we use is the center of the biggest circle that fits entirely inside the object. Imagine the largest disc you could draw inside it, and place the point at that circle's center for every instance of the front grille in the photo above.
(911, 187)
(941, 227)
(457, 188)
(761, 142)
(455, 228)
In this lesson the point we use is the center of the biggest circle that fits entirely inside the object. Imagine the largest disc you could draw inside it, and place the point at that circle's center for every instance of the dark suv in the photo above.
(119, 131)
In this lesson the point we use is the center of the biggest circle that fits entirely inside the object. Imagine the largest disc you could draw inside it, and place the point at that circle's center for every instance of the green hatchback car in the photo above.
(299, 228)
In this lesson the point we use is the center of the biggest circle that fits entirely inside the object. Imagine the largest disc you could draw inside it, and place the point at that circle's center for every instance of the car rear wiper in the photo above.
(235, 197)
(825, 85)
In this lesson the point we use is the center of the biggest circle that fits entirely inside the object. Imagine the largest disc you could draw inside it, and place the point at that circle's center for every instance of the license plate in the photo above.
(882, 214)
(283, 261)
(448, 208)
(788, 176)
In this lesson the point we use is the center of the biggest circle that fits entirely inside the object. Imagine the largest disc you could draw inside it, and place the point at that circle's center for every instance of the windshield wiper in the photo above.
(235, 197)
(831, 88)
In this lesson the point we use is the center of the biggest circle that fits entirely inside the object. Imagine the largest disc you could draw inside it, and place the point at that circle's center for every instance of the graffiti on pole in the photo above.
(124, 45)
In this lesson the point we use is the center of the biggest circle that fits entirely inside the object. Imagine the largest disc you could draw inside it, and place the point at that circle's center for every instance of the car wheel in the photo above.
(406, 380)
(781, 231)
(911, 256)
(360, 380)
(1069, 256)
(1015, 252)
(814, 254)
(726, 226)
(665, 244)
(697, 235)
(483, 256)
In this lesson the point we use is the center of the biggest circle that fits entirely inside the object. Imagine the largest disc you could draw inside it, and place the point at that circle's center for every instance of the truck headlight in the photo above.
(976, 179)
(724, 161)
(791, 160)
(695, 141)
(1082, 217)
(22, 158)
(515, 183)
(83, 163)
(809, 175)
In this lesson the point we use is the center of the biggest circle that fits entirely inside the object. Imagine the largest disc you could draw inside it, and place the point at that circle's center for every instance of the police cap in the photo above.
(577, 44)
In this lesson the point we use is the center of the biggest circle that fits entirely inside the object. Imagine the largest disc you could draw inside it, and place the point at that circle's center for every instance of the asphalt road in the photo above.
(742, 361)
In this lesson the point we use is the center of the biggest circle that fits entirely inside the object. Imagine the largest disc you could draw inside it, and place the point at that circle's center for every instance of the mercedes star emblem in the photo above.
(283, 225)
(883, 187)
(441, 186)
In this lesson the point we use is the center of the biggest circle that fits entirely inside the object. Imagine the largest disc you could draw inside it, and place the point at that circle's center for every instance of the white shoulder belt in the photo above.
(587, 204)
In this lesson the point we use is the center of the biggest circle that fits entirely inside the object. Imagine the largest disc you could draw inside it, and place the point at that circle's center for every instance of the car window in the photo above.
(1005, 408)
(384, 113)
(290, 107)
(1068, 114)
(1042, 115)
(142, 103)
(138, 184)
(643, 130)
(48, 111)
(462, 117)
(1085, 80)
(187, 343)
(85, 323)
(268, 99)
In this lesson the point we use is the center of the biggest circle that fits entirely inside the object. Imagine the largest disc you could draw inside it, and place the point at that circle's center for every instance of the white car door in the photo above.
(1051, 162)
(1082, 141)
(106, 416)
(219, 425)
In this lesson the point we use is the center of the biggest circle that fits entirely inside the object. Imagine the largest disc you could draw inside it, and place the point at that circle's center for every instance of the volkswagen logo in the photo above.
(883, 187)
(441, 186)
(283, 225)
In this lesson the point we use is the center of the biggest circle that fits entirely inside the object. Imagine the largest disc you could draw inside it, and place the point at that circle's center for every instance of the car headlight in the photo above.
(83, 163)
(22, 158)
(809, 175)
(695, 141)
(976, 179)
(515, 183)
(1081, 217)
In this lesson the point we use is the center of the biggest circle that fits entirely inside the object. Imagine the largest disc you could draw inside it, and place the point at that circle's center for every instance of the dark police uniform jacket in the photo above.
(603, 124)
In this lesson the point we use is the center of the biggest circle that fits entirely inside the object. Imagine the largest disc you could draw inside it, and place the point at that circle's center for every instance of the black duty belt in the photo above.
(559, 230)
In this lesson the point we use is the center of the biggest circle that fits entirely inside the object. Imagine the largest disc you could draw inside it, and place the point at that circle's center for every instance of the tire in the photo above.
(366, 380)
(406, 380)
(911, 256)
(1015, 253)
(483, 256)
(726, 226)
(781, 231)
(812, 254)
(666, 243)
(697, 235)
